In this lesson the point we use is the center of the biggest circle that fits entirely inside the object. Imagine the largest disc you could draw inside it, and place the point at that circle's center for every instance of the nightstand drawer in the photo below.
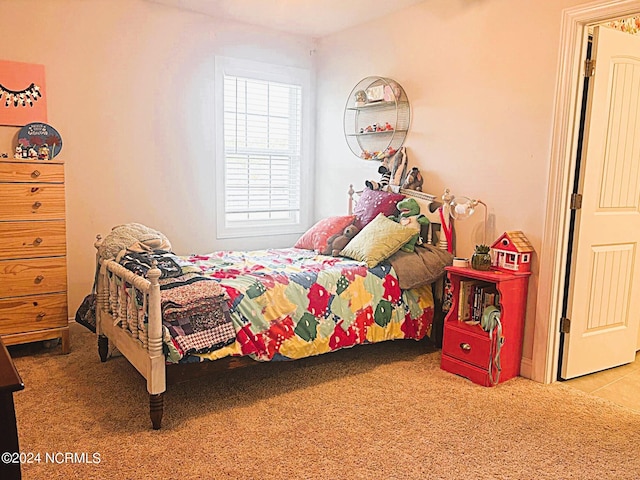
(33, 313)
(470, 347)
(31, 202)
(32, 239)
(32, 277)
(31, 172)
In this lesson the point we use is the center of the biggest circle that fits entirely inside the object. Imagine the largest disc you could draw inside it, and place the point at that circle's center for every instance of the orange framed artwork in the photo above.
(23, 97)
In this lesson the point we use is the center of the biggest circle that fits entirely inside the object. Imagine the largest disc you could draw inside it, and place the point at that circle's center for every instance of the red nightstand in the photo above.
(467, 350)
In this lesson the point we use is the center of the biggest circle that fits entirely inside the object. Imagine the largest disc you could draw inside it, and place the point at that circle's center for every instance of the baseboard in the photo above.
(526, 367)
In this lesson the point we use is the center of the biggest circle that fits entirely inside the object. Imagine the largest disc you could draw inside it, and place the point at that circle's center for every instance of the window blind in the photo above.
(262, 151)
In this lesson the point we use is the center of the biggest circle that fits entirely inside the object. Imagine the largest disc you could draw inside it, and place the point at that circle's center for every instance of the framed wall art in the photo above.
(23, 97)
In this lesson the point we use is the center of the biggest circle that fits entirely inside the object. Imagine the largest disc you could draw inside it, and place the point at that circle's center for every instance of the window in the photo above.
(263, 155)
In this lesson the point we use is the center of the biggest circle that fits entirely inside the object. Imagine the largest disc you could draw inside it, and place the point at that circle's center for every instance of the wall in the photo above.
(480, 75)
(130, 90)
(130, 87)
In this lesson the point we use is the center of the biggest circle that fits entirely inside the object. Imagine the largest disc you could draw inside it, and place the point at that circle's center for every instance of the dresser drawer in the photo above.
(466, 345)
(32, 239)
(32, 313)
(17, 172)
(32, 277)
(31, 202)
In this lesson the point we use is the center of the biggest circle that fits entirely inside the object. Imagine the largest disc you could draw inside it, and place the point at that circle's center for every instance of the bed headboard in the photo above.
(430, 207)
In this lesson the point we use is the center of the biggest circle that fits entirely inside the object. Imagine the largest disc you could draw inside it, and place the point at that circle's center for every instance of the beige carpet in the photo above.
(382, 411)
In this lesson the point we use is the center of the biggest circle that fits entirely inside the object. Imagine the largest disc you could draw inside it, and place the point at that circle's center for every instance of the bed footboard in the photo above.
(129, 316)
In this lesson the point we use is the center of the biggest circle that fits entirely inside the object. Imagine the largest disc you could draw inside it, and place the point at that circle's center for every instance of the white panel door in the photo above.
(604, 303)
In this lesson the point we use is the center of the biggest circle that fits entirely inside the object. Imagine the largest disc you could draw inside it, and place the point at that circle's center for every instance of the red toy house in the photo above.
(512, 252)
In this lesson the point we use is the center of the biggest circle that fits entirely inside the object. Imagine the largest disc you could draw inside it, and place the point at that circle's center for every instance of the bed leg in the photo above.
(156, 406)
(103, 347)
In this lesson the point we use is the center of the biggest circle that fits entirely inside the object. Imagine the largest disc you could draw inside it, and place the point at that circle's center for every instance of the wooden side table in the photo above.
(10, 382)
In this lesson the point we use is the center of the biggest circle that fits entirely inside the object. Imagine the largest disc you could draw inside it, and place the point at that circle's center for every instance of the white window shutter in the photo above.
(262, 152)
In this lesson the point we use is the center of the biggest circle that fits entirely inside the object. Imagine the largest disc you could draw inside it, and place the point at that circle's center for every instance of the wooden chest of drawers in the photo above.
(33, 266)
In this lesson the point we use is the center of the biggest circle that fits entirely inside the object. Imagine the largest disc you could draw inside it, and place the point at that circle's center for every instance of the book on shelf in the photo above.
(474, 297)
(464, 302)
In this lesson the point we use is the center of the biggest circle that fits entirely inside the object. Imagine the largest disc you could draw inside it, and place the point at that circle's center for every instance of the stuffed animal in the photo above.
(410, 216)
(384, 179)
(336, 243)
(413, 181)
(396, 162)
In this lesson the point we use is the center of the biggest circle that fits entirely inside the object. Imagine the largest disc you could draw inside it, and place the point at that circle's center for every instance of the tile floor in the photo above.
(620, 385)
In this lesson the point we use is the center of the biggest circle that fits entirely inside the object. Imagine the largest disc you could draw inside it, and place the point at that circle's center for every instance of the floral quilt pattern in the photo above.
(293, 303)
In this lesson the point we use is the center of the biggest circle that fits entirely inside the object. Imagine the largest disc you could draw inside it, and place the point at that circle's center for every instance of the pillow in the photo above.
(316, 237)
(373, 202)
(424, 265)
(377, 241)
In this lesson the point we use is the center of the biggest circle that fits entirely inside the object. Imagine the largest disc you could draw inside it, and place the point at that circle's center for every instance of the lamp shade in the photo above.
(462, 207)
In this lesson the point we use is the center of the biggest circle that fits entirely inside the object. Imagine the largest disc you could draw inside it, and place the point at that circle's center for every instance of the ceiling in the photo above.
(315, 18)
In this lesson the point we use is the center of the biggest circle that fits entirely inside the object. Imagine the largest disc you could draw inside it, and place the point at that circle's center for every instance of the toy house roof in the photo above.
(516, 239)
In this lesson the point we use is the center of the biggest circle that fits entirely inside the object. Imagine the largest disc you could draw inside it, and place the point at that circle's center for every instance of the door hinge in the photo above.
(576, 201)
(589, 67)
(565, 325)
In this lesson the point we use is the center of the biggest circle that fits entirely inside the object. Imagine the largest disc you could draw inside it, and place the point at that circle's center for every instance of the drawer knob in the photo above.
(40, 316)
(37, 205)
(35, 174)
(465, 346)
(39, 279)
(37, 241)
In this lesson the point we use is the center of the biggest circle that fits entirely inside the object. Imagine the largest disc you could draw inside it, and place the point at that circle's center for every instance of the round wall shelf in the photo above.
(376, 118)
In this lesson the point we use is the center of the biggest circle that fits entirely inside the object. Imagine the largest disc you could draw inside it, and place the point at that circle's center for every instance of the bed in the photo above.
(175, 318)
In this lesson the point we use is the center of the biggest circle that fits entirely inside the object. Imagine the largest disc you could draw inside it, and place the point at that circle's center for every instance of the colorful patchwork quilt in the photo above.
(292, 303)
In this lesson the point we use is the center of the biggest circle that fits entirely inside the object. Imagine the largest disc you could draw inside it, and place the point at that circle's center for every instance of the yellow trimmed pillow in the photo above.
(377, 241)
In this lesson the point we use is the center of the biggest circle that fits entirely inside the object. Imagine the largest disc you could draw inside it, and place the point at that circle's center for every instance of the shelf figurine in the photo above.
(18, 153)
(43, 152)
(361, 98)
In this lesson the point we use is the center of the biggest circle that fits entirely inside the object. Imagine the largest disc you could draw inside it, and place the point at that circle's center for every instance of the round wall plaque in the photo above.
(41, 140)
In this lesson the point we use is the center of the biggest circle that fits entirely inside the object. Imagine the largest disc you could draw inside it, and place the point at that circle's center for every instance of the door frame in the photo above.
(554, 254)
